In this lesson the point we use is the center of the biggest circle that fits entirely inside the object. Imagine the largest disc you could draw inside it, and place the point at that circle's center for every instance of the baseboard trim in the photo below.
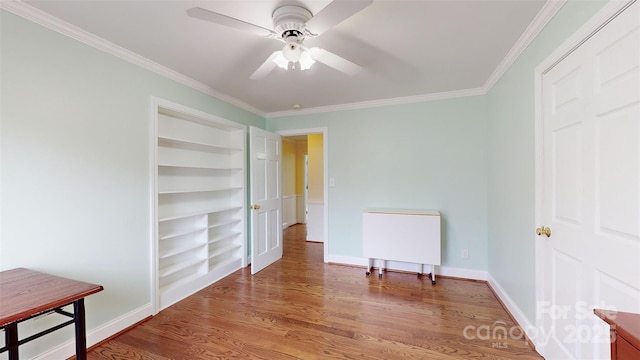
(101, 342)
(346, 260)
(99, 334)
(462, 273)
(447, 271)
(513, 310)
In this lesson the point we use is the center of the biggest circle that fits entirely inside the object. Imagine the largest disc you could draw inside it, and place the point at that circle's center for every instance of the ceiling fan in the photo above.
(292, 24)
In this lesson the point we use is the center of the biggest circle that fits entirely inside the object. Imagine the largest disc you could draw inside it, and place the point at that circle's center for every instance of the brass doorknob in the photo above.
(254, 207)
(543, 230)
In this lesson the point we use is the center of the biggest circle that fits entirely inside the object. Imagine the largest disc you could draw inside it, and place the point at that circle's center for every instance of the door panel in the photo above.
(566, 289)
(566, 158)
(617, 177)
(266, 200)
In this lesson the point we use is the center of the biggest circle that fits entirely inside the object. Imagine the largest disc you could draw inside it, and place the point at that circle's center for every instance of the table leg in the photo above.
(11, 340)
(81, 330)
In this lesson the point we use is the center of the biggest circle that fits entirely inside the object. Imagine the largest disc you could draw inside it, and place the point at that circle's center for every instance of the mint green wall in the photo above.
(512, 158)
(75, 194)
(75, 185)
(429, 155)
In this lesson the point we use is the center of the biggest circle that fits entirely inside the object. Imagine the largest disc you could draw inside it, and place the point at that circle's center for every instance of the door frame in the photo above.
(608, 12)
(325, 176)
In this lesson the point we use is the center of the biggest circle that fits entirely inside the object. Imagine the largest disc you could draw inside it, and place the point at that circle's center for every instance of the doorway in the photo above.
(314, 203)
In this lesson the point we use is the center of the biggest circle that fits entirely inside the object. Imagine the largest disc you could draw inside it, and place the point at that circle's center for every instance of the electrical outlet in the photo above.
(465, 253)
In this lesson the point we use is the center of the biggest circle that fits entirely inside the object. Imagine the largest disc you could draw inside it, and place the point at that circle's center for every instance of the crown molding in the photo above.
(44, 19)
(542, 18)
(382, 102)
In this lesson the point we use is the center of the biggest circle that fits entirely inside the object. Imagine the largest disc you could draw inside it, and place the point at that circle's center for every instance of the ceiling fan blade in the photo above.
(265, 68)
(206, 15)
(335, 13)
(334, 61)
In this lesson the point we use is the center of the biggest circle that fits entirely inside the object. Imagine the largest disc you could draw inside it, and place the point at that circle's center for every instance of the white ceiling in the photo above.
(406, 48)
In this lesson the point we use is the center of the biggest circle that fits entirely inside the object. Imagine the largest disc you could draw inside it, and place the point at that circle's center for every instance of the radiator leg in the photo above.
(433, 274)
(381, 268)
(419, 270)
(369, 266)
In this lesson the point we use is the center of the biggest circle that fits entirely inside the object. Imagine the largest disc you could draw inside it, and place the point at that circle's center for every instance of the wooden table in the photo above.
(25, 294)
(625, 333)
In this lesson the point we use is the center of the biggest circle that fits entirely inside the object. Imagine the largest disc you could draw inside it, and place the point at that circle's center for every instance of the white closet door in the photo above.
(591, 201)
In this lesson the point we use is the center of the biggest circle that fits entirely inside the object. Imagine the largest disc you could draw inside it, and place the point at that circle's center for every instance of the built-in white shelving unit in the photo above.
(199, 184)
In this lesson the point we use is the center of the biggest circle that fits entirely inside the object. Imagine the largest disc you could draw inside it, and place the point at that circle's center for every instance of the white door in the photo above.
(266, 201)
(591, 194)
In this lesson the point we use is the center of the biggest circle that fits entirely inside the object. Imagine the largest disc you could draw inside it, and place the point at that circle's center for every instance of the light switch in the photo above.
(332, 182)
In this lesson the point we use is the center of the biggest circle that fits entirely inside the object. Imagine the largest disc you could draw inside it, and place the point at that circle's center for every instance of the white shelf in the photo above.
(217, 123)
(182, 281)
(171, 269)
(211, 189)
(224, 236)
(234, 221)
(183, 232)
(225, 249)
(180, 250)
(220, 264)
(193, 145)
(199, 212)
(186, 166)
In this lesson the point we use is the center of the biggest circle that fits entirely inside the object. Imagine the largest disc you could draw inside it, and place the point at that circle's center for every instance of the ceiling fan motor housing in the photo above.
(289, 22)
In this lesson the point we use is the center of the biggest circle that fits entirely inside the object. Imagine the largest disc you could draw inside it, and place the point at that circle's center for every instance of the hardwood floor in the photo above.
(301, 308)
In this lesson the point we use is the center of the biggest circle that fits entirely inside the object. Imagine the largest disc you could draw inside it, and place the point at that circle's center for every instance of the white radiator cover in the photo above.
(402, 235)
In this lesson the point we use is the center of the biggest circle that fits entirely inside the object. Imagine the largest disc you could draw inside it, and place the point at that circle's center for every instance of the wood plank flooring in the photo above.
(301, 308)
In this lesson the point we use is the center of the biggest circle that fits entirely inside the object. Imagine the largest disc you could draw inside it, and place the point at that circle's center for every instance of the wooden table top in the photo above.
(626, 324)
(24, 293)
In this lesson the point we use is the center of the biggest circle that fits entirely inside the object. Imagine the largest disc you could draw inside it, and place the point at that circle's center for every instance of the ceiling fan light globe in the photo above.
(306, 60)
(281, 61)
(291, 52)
